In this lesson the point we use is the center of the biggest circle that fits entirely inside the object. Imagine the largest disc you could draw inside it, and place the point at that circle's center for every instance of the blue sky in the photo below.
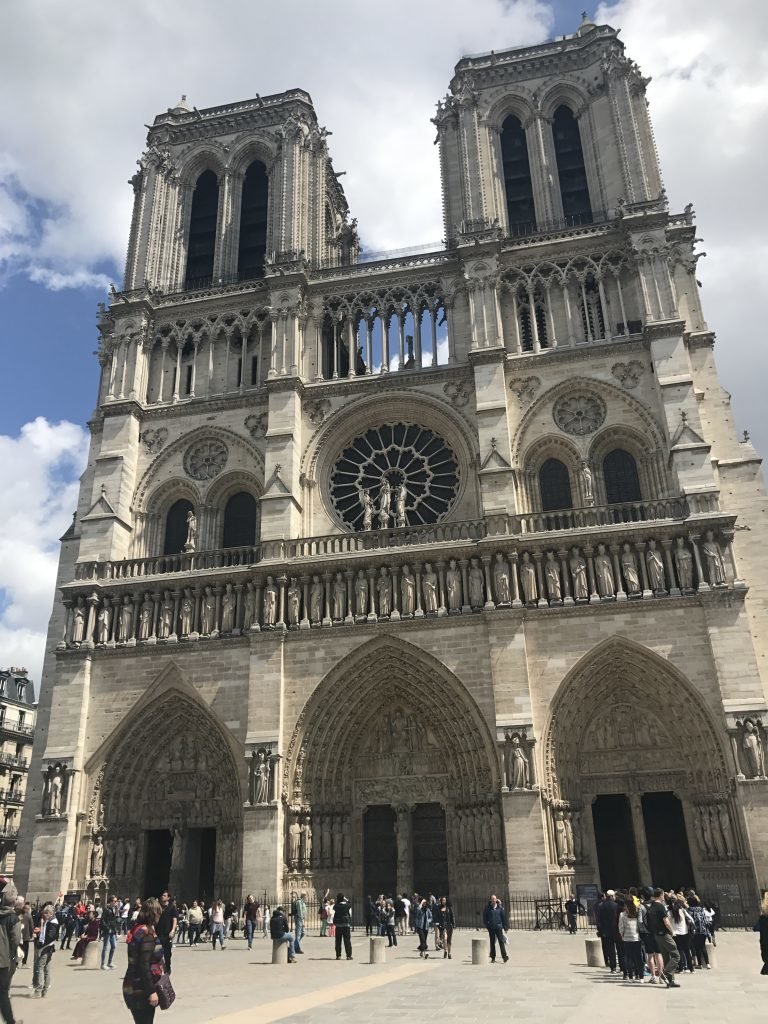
(70, 134)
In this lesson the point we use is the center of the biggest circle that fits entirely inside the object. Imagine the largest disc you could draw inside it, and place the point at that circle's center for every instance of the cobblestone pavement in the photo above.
(546, 979)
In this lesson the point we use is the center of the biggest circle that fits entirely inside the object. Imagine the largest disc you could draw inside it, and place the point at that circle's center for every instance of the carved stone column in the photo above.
(674, 590)
(620, 594)
(395, 613)
(489, 595)
(589, 551)
(173, 636)
(537, 557)
(640, 546)
(703, 586)
(371, 574)
(466, 608)
(641, 843)
(304, 624)
(441, 609)
(562, 554)
(327, 620)
(516, 602)
(419, 612)
(349, 619)
(404, 836)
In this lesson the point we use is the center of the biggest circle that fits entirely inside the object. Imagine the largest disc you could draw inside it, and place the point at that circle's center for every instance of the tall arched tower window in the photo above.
(202, 230)
(239, 521)
(622, 482)
(518, 187)
(555, 486)
(253, 222)
(176, 527)
(574, 189)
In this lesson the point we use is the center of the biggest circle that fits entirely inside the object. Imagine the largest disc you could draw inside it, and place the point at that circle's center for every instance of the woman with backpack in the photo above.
(423, 922)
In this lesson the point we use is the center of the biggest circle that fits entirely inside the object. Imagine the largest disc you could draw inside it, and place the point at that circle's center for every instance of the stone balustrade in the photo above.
(306, 588)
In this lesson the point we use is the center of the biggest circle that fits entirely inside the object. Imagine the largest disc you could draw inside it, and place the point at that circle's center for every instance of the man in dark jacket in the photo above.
(572, 912)
(46, 932)
(166, 926)
(342, 920)
(607, 921)
(495, 920)
(280, 932)
(10, 940)
(109, 926)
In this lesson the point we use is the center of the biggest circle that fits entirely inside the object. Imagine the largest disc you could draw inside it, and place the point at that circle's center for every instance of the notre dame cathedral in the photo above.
(440, 571)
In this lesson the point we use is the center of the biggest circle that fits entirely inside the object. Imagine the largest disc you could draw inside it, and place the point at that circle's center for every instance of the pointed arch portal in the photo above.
(166, 799)
(393, 769)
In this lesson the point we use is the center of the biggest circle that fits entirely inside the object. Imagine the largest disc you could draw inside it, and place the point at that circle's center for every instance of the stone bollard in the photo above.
(480, 951)
(594, 952)
(92, 954)
(279, 952)
(379, 947)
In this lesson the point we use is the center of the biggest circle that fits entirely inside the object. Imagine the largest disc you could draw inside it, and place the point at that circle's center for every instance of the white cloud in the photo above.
(39, 471)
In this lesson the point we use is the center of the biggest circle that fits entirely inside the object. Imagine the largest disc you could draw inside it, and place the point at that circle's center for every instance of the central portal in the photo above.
(430, 850)
(186, 868)
(379, 852)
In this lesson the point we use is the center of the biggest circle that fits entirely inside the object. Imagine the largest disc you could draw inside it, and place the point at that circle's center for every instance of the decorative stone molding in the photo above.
(256, 425)
(317, 410)
(525, 388)
(458, 393)
(154, 439)
(628, 374)
(580, 413)
(206, 459)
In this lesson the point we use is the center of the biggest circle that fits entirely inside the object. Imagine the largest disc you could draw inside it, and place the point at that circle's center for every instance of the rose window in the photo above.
(205, 460)
(394, 475)
(579, 414)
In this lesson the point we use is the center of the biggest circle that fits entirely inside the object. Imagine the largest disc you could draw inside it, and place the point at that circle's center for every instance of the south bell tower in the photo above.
(452, 559)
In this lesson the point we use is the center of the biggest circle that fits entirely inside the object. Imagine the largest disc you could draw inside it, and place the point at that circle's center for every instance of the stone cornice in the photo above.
(254, 399)
(579, 353)
(394, 380)
(280, 385)
(484, 356)
(700, 339)
(662, 329)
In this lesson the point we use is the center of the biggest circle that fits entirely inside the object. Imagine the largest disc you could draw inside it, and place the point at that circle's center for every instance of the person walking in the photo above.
(681, 922)
(572, 913)
(342, 922)
(331, 918)
(698, 933)
(181, 931)
(633, 947)
(324, 919)
(166, 926)
(280, 932)
(24, 911)
(371, 917)
(299, 914)
(45, 932)
(658, 923)
(109, 925)
(194, 923)
(762, 928)
(653, 958)
(146, 963)
(68, 923)
(388, 920)
(449, 923)
(10, 940)
(437, 923)
(250, 915)
(422, 921)
(607, 919)
(495, 920)
(217, 924)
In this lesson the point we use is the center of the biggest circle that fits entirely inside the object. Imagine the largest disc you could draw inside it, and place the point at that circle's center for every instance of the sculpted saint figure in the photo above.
(361, 594)
(501, 580)
(552, 577)
(407, 592)
(103, 619)
(208, 613)
(54, 800)
(166, 616)
(367, 505)
(130, 857)
(339, 598)
(714, 557)
(655, 568)
(453, 585)
(187, 613)
(752, 746)
(629, 570)
(429, 588)
(228, 609)
(604, 573)
(78, 621)
(725, 830)
(326, 852)
(586, 477)
(561, 839)
(97, 857)
(384, 590)
(400, 495)
(316, 600)
(270, 604)
(519, 771)
(683, 564)
(706, 831)
(337, 839)
(126, 619)
(579, 574)
(385, 499)
(528, 579)
(261, 789)
(249, 609)
(294, 843)
(306, 843)
(145, 618)
(476, 585)
(294, 603)
(191, 542)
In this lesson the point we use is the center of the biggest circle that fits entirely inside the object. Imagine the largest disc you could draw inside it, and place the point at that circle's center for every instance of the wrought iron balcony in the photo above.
(15, 729)
(8, 833)
(11, 796)
(13, 761)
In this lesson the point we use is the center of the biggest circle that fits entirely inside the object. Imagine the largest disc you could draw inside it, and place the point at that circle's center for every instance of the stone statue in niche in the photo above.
(385, 501)
(145, 618)
(579, 576)
(208, 612)
(54, 793)
(339, 598)
(569, 855)
(476, 585)
(78, 621)
(361, 594)
(166, 615)
(261, 778)
(706, 831)
(403, 833)
(270, 604)
(326, 847)
(294, 604)
(501, 581)
(715, 562)
(294, 843)
(629, 571)
(306, 842)
(316, 601)
(724, 821)
(429, 588)
(528, 579)
(453, 586)
(552, 578)
(130, 857)
(655, 568)
(604, 573)
(561, 840)
(518, 769)
(227, 609)
(401, 494)
(384, 590)
(190, 544)
(97, 858)
(368, 510)
(337, 839)
(586, 479)
(684, 565)
(187, 613)
(125, 625)
(752, 752)
(103, 620)
(249, 607)
(578, 841)
(346, 842)
(407, 593)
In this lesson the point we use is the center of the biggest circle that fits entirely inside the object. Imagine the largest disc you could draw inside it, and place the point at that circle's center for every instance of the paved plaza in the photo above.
(546, 979)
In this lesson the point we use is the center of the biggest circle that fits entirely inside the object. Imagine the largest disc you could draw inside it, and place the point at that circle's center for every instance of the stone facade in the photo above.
(444, 570)
(17, 729)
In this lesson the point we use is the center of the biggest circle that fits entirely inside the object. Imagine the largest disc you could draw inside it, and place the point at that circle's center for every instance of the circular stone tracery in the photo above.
(401, 454)
(206, 459)
(579, 414)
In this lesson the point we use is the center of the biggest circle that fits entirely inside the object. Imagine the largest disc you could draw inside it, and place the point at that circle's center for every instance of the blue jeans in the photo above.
(249, 929)
(217, 929)
(288, 937)
(41, 975)
(107, 940)
(194, 934)
(299, 929)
